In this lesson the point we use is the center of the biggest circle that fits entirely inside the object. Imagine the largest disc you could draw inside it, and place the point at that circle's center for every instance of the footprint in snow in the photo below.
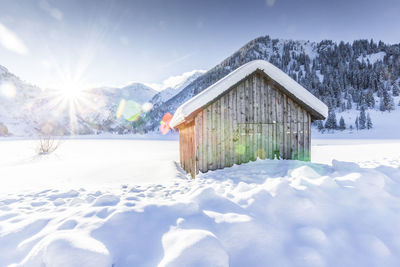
(68, 225)
(8, 216)
(58, 202)
(89, 214)
(103, 213)
(131, 198)
(8, 201)
(106, 200)
(69, 194)
(38, 203)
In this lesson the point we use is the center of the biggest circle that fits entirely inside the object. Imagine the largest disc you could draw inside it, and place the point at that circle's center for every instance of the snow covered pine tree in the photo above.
(342, 125)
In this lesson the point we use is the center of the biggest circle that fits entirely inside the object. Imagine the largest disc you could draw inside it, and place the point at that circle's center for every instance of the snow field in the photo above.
(265, 213)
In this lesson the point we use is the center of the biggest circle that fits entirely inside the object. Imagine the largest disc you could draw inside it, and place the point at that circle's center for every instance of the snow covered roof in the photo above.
(299, 92)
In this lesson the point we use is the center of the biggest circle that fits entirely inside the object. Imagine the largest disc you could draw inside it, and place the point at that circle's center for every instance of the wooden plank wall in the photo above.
(187, 147)
(252, 120)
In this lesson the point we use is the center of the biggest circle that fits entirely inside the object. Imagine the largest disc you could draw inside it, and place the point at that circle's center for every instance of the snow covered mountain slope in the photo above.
(27, 110)
(345, 76)
(137, 92)
(175, 85)
(18, 103)
(336, 73)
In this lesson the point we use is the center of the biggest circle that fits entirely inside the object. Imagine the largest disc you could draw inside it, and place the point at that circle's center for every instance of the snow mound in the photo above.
(192, 248)
(107, 200)
(67, 249)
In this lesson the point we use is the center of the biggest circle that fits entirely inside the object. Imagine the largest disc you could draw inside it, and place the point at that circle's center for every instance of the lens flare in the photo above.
(132, 111)
(240, 149)
(8, 90)
(47, 128)
(120, 109)
(164, 124)
(146, 107)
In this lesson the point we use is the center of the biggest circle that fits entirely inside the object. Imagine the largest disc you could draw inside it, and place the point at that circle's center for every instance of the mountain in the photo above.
(18, 101)
(27, 110)
(103, 116)
(137, 92)
(177, 83)
(362, 77)
(359, 75)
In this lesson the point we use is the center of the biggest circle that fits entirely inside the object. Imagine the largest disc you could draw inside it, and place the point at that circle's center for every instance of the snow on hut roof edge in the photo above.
(225, 83)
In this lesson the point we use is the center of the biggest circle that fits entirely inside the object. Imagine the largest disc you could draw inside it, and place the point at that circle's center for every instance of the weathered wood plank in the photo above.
(282, 129)
(214, 136)
(302, 134)
(230, 150)
(309, 136)
(266, 121)
(289, 130)
(198, 141)
(180, 147)
(246, 121)
(192, 149)
(217, 134)
(205, 142)
(270, 122)
(256, 101)
(262, 118)
(294, 132)
(184, 148)
(253, 117)
(250, 110)
(274, 123)
(220, 133)
(233, 125)
(225, 125)
(284, 125)
(242, 145)
(193, 156)
(209, 138)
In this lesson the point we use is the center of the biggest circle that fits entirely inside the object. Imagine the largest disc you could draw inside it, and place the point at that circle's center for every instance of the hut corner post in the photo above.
(187, 148)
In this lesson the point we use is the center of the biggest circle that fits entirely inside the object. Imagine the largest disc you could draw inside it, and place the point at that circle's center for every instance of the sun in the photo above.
(72, 98)
(71, 90)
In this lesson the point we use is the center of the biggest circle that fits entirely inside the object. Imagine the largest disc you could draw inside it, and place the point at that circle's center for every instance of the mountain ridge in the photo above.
(327, 69)
(28, 110)
(361, 75)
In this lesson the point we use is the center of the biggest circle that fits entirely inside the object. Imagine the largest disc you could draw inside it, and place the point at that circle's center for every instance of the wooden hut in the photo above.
(256, 111)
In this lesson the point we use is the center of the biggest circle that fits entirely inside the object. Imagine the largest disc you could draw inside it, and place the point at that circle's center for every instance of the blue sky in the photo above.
(115, 42)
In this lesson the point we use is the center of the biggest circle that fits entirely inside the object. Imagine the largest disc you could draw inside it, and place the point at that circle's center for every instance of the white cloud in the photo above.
(10, 41)
(270, 2)
(173, 81)
(54, 12)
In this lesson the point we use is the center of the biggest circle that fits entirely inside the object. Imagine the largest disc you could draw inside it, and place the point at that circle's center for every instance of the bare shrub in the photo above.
(3, 130)
(48, 144)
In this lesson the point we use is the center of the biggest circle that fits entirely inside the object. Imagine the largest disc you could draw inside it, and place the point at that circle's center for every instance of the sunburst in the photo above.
(72, 97)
